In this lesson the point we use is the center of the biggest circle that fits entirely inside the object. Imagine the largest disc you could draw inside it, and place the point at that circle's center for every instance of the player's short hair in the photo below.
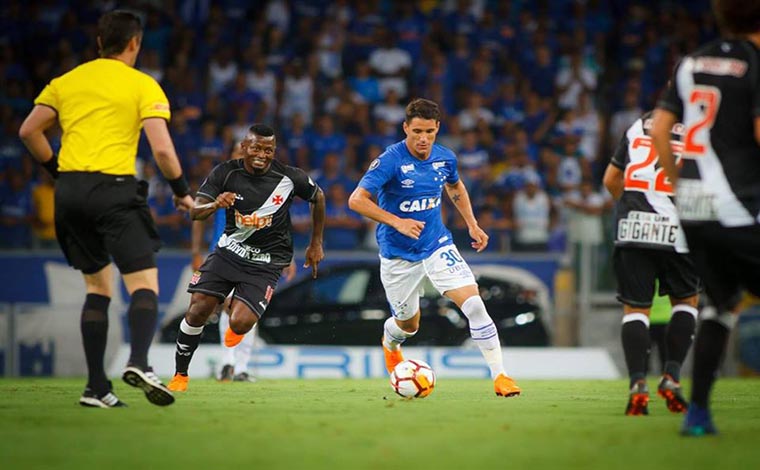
(115, 30)
(261, 130)
(423, 109)
(737, 17)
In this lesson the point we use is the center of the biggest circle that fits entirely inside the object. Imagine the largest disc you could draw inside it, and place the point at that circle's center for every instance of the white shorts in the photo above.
(402, 280)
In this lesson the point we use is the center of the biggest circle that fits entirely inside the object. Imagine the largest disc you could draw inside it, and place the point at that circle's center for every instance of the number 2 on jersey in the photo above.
(707, 98)
(634, 182)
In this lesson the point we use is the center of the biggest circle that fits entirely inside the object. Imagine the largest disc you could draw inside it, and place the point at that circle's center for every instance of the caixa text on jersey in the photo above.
(418, 205)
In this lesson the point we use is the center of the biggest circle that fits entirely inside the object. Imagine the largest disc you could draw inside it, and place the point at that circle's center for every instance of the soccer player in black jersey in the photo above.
(650, 246)
(715, 92)
(256, 246)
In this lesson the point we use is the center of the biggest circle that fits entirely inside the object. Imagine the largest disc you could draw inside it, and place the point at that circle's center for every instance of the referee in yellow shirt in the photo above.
(101, 211)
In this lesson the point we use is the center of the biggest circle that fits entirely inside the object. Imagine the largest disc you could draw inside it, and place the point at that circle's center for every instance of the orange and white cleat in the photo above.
(505, 386)
(392, 357)
(232, 339)
(178, 383)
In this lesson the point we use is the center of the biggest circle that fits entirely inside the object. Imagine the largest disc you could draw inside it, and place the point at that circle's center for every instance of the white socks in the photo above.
(484, 333)
(394, 335)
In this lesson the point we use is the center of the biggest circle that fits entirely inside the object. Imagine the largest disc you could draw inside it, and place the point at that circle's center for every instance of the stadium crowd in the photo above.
(536, 95)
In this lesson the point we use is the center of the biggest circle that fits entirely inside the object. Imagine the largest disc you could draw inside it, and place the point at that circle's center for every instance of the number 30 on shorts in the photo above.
(451, 256)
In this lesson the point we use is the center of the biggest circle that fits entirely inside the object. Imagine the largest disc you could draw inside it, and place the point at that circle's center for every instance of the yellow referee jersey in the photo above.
(101, 105)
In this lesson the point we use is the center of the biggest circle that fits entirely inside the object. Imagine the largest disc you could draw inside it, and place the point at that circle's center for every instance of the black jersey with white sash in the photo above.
(715, 92)
(258, 228)
(646, 214)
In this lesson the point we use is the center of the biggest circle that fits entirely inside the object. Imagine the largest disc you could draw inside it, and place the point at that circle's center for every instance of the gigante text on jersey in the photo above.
(645, 227)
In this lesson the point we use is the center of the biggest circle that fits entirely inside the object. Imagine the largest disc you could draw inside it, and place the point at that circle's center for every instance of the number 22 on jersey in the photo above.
(642, 175)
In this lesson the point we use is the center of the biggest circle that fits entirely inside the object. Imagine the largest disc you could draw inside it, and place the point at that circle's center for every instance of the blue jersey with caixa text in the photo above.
(411, 188)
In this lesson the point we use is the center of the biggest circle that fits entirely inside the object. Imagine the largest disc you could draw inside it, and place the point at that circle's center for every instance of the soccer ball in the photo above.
(413, 379)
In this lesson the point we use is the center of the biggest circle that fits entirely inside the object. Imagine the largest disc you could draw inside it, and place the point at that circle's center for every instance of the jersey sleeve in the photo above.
(453, 175)
(49, 96)
(303, 186)
(212, 186)
(153, 101)
(380, 171)
(670, 100)
(620, 157)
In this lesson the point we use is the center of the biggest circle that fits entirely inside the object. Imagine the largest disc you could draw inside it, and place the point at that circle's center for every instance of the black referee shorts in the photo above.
(637, 268)
(254, 284)
(99, 217)
(727, 260)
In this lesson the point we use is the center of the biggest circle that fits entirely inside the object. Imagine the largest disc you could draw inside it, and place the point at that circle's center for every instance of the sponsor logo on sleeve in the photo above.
(375, 163)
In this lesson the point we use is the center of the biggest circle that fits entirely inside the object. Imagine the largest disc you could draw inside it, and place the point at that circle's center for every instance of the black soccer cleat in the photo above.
(670, 390)
(228, 373)
(92, 399)
(155, 391)
(638, 401)
(244, 377)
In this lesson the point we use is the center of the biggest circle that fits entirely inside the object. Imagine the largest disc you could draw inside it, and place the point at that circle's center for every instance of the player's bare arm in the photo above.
(664, 121)
(204, 207)
(196, 243)
(461, 199)
(32, 132)
(314, 252)
(161, 144)
(614, 181)
(361, 202)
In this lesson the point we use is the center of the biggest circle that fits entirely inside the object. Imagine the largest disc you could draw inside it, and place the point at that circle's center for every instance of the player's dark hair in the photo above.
(737, 17)
(115, 30)
(261, 130)
(423, 109)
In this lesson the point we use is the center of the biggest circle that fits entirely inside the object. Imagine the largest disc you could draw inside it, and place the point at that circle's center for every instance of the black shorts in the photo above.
(637, 268)
(727, 259)
(254, 284)
(97, 215)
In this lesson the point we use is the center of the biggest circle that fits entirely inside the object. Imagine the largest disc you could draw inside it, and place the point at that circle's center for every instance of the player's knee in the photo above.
(475, 310)
(201, 308)
(242, 324)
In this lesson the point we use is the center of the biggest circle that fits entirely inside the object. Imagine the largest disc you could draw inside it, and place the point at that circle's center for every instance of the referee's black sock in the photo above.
(94, 327)
(709, 346)
(678, 339)
(142, 316)
(188, 339)
(635, 336)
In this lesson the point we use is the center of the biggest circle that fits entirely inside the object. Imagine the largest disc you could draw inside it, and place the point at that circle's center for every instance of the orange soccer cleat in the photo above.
(638, 401)
(505, 386)
(178, 383)
(232, 339)
(392, 357)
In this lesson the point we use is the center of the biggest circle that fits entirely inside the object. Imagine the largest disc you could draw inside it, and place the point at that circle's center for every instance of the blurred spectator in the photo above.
(366, 85)
(15, 211)
(298, 93)
(43, 212)
(475, 112)
(586, 209)
(532, 216)
(263, 81)
(622, 119)
(342, 225)
(323, 141)
(390, 110)
(573, 80)
(391, 64)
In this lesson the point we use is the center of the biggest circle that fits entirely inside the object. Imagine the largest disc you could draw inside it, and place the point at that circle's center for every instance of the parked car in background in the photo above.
(346, 306)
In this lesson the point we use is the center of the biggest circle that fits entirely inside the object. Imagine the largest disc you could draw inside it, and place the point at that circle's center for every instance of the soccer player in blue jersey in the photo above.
(407, 181)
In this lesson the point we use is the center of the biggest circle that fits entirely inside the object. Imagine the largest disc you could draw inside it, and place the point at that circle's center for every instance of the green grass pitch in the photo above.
(361, 424)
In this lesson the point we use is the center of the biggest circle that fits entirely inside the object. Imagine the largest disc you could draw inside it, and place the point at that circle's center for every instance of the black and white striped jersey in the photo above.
(715, 92)
(258, 228)
(645, 214)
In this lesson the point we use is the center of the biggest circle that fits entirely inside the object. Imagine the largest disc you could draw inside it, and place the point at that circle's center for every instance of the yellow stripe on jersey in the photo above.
(101, 105)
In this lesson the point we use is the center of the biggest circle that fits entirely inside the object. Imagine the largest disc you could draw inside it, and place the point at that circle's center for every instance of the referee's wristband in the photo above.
(51, 166)
(179, 186)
